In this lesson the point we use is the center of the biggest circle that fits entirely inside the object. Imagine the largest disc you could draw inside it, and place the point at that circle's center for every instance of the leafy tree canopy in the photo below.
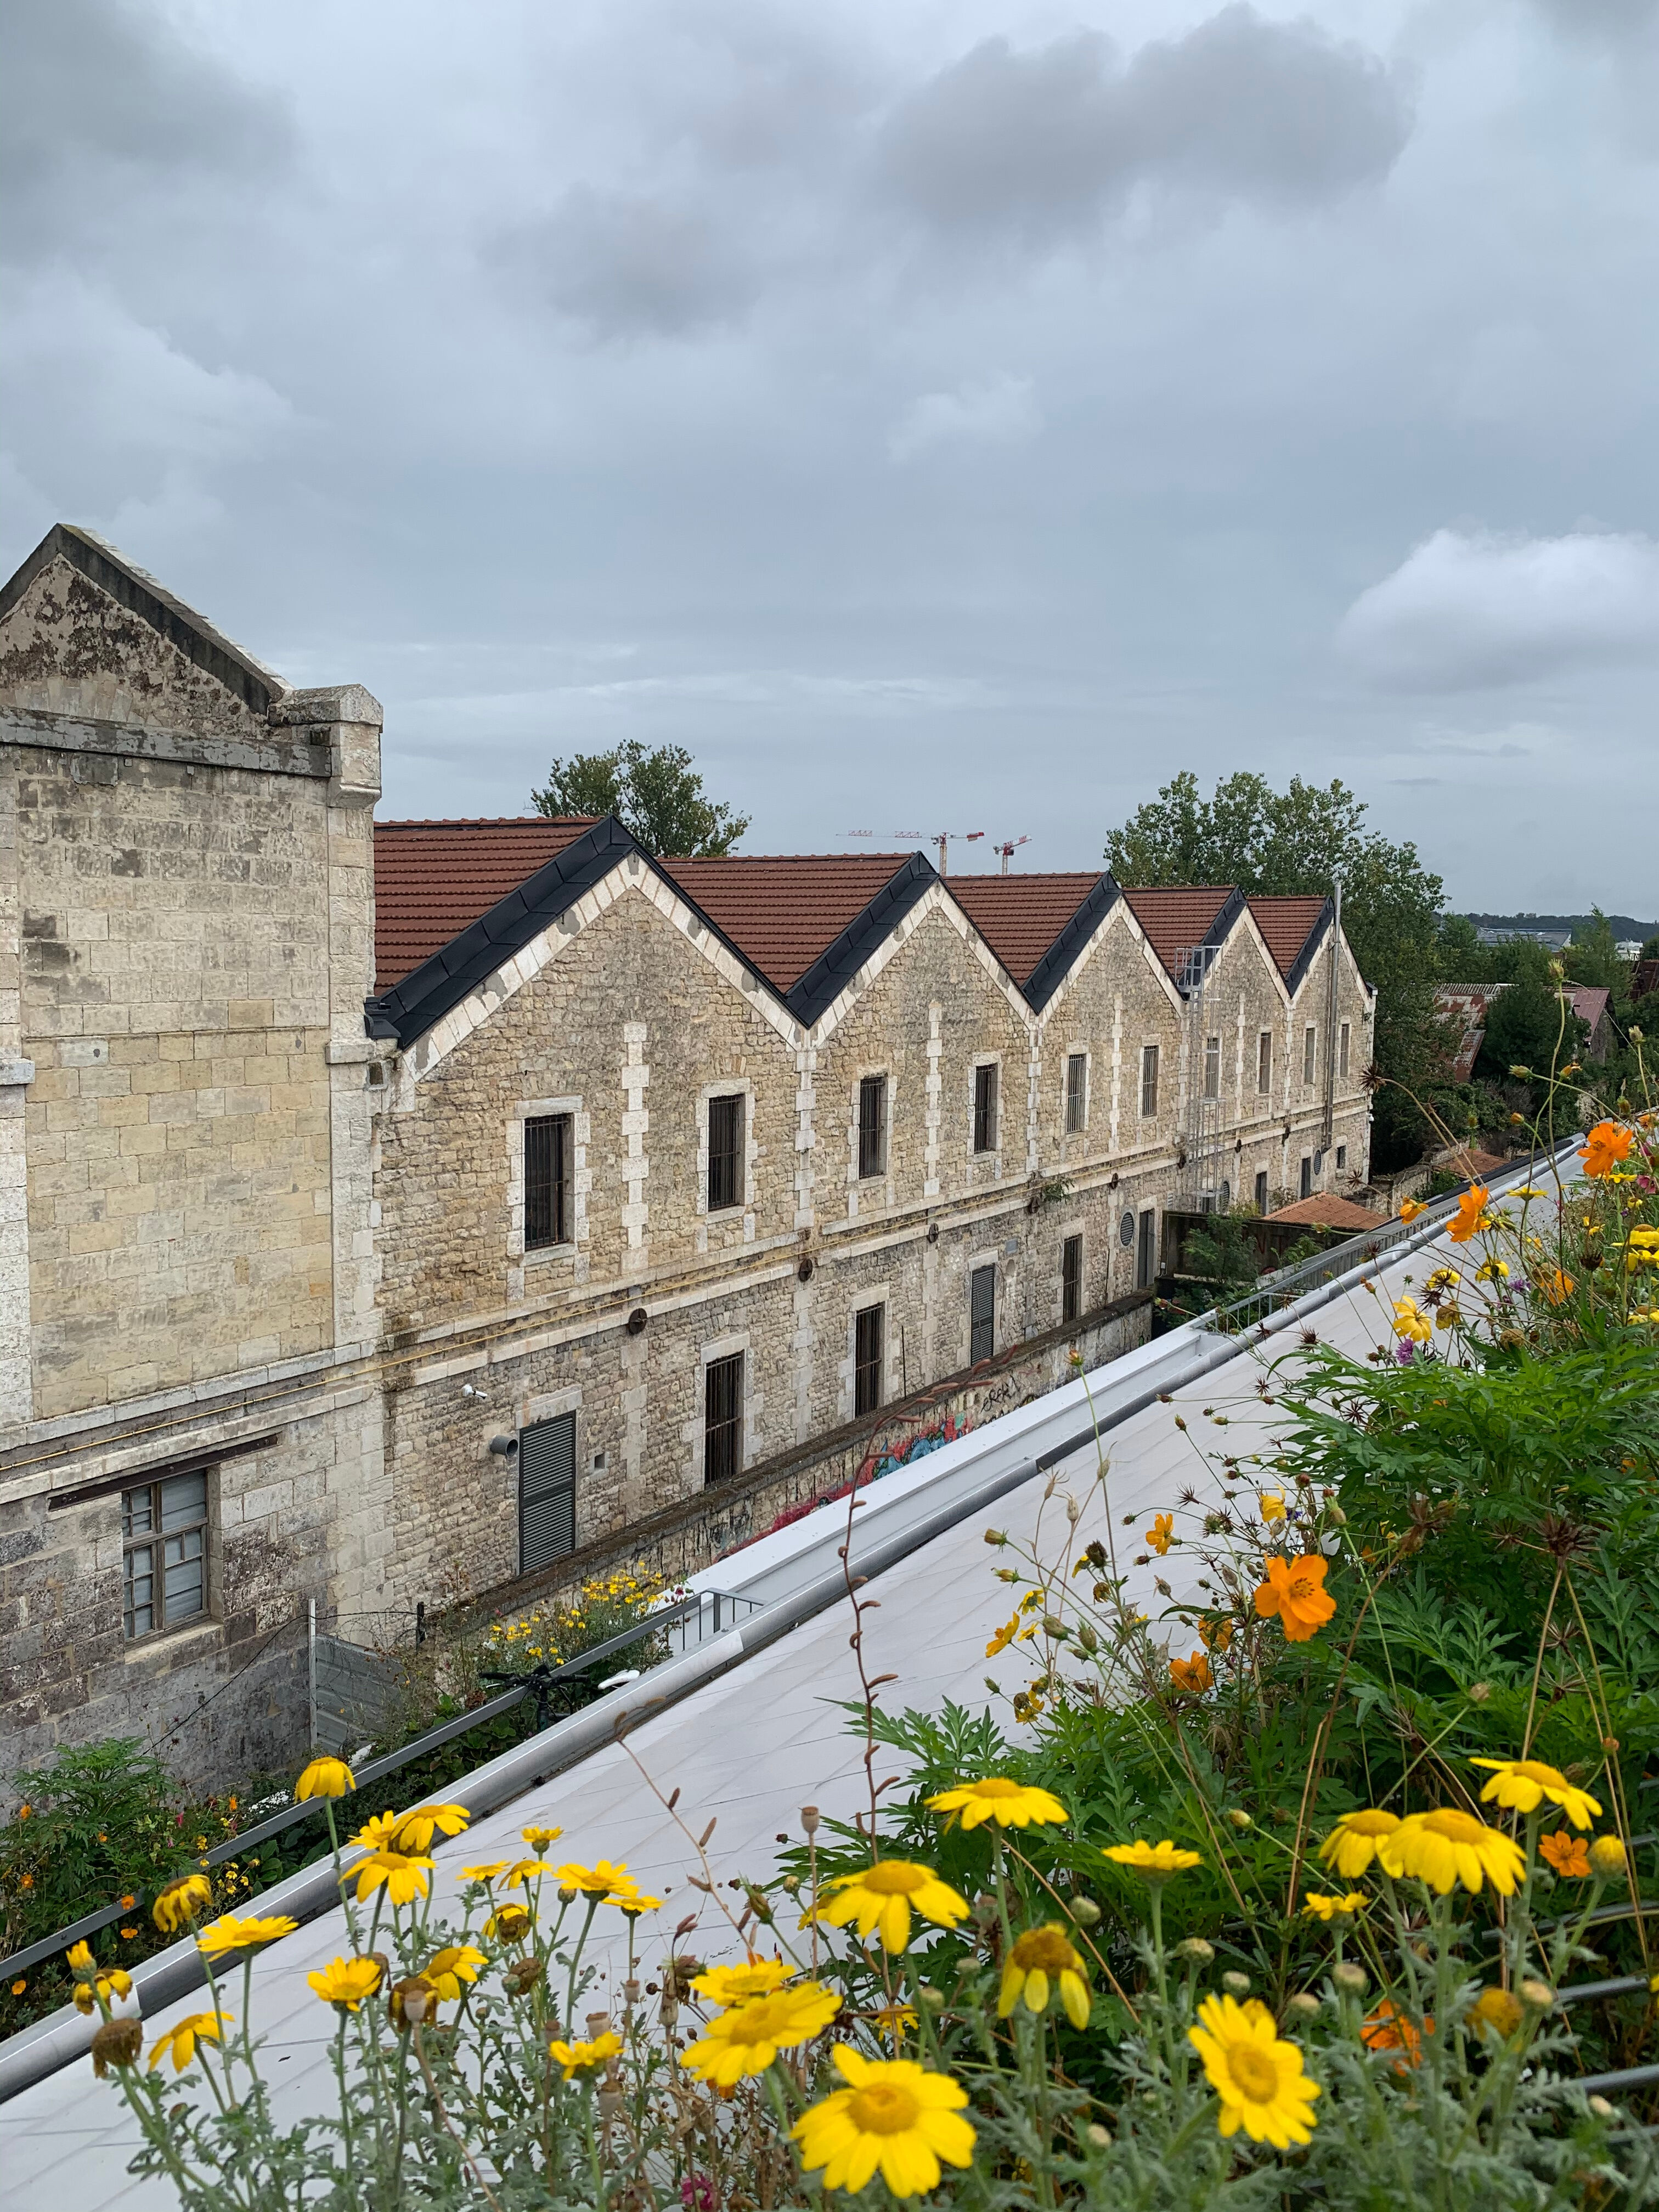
(657, 795)
(1297, 841)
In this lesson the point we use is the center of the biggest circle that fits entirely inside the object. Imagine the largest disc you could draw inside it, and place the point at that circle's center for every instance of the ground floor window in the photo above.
(722, 1431)
(164, 1553)
(981, 1314)
(1146, 1257)
(1071, 1278)
(869, 1336)
(547, 1493)
(1261, 1192)
(1307, 1176)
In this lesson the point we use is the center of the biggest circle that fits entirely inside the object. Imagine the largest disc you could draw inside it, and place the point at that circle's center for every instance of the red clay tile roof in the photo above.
(782, 912)
(1325, 1210)
(1175, 919)
(1020, 917)
(1286, 924)
(433, 879)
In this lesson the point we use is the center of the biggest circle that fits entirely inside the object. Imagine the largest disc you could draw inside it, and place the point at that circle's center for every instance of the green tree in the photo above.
(1593, 956)
(1298, 842)
(1525, 1022)
(657, 795)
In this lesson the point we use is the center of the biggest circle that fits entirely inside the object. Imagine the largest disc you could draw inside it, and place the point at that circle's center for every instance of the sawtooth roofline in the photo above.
(414, 1005)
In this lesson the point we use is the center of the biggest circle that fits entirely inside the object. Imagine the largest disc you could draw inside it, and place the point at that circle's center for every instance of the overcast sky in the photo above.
(936, 416)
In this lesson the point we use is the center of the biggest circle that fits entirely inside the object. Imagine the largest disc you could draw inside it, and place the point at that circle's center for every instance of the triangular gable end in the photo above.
(84, 632)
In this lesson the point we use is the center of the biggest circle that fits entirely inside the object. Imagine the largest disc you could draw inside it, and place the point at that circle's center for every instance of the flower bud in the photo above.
(1073, 1511)
(932, 1998)
(1606, 1858)
(1336, 1517)
(1350, 1978)
(995, 1536)
(1055, 1628)
(1084, 1911)
(1479, 1692)
(523, 1975)
(1240, 1818)
(1498, 2009)
(117, 2042)
(1599, 2106)
(1516, 1068)
(1238, 1984)
(809, 1819)
(1303, 2005)
(1538, 1994)
(1195, 1949)
(1096, 2137)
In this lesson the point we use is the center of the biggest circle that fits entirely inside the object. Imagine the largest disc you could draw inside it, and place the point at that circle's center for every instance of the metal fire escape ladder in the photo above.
(1201, 1171)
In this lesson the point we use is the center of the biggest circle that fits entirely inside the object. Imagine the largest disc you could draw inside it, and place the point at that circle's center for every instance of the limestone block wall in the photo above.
(175, 1002)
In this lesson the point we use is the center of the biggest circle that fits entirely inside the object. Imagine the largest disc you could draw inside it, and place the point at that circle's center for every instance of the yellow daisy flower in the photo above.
(747, 2038)
(730, 1985)
(883, 1896)
(1257, 2075)
(179, 1903)
(347, 1982)
(539, 1838)
(489, 1872)
(325, 1778)
(1153, 1861)
(1319, 1906)
(1352, 1844)
(1446, 1847)
(603, 1879)
(455, 1964)
(1010, 1804)
(180, 2043)
(403, 1873)
(415, 1829)
(1042, 1960)
(582, 2058)
(1521, 1785)
(893, 2115)
(379, 1833)
(228, 1933)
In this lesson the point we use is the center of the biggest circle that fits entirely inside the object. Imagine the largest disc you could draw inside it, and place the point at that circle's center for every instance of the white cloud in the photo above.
(1001, 411)
(1467, 608)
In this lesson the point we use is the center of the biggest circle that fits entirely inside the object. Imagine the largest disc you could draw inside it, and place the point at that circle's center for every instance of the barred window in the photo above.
(1148, 1081)
(1212, 1067)
(164, 1553)
(547, 1155)
(1264, 1063)
(1077, 1093)
(985, 1108)
(1261, 1191)
(872, 1126)
(725, 1152)
(722, 1418)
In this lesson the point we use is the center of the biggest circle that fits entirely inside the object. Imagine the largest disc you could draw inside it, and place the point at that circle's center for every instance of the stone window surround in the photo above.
(722, 1347)
(1155, 1045)
(995, 1156)
(728, 1087)
(861, 1074)
(528, 1109)
(987, 1255)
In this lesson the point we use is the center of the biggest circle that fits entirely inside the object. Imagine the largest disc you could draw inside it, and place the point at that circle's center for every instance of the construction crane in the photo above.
(940, 837)
(1009, 849)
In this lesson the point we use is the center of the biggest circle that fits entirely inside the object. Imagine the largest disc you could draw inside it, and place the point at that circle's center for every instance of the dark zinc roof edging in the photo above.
(1310, 945)
(1051, 971)
(839, 962)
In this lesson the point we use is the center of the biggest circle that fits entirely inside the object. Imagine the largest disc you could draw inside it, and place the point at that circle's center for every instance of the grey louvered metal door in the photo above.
(547, 1493)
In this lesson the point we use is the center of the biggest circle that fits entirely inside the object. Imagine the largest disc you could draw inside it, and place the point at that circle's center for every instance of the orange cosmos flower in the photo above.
(1218, 1634)
(1471, 1217)
(1161, 1534)
(1295, 1590)
(1556, 1286)
(1193, 1675)
(1604, 1148)
(1411, 1208)
(1385, 2029)
(1567, 1853)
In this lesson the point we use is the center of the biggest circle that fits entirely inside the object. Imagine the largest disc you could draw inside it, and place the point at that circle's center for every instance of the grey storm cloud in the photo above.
(95, 86)
(628, 265)
(1041, 142)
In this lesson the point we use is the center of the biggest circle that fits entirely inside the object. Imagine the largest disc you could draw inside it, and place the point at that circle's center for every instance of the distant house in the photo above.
(1645, 980)
(1590, 1005)
(1629, 948)
(1466, 1004)
(1554, 940)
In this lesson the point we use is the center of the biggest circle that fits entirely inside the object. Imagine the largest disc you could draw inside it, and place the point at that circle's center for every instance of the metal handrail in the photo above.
(537, 1683)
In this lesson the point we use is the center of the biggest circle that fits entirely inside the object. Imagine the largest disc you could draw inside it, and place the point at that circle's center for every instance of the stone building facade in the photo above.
(396, 1208)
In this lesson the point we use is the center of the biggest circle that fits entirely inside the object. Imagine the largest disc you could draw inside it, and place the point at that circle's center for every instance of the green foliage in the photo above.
(656, 794)
(100, 1819)
(1527, 1025)
(1298, 842)
(1593, 958)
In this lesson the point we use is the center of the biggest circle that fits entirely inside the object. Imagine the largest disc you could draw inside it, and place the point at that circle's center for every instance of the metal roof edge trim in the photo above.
(1310, 945)
(843, 958)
